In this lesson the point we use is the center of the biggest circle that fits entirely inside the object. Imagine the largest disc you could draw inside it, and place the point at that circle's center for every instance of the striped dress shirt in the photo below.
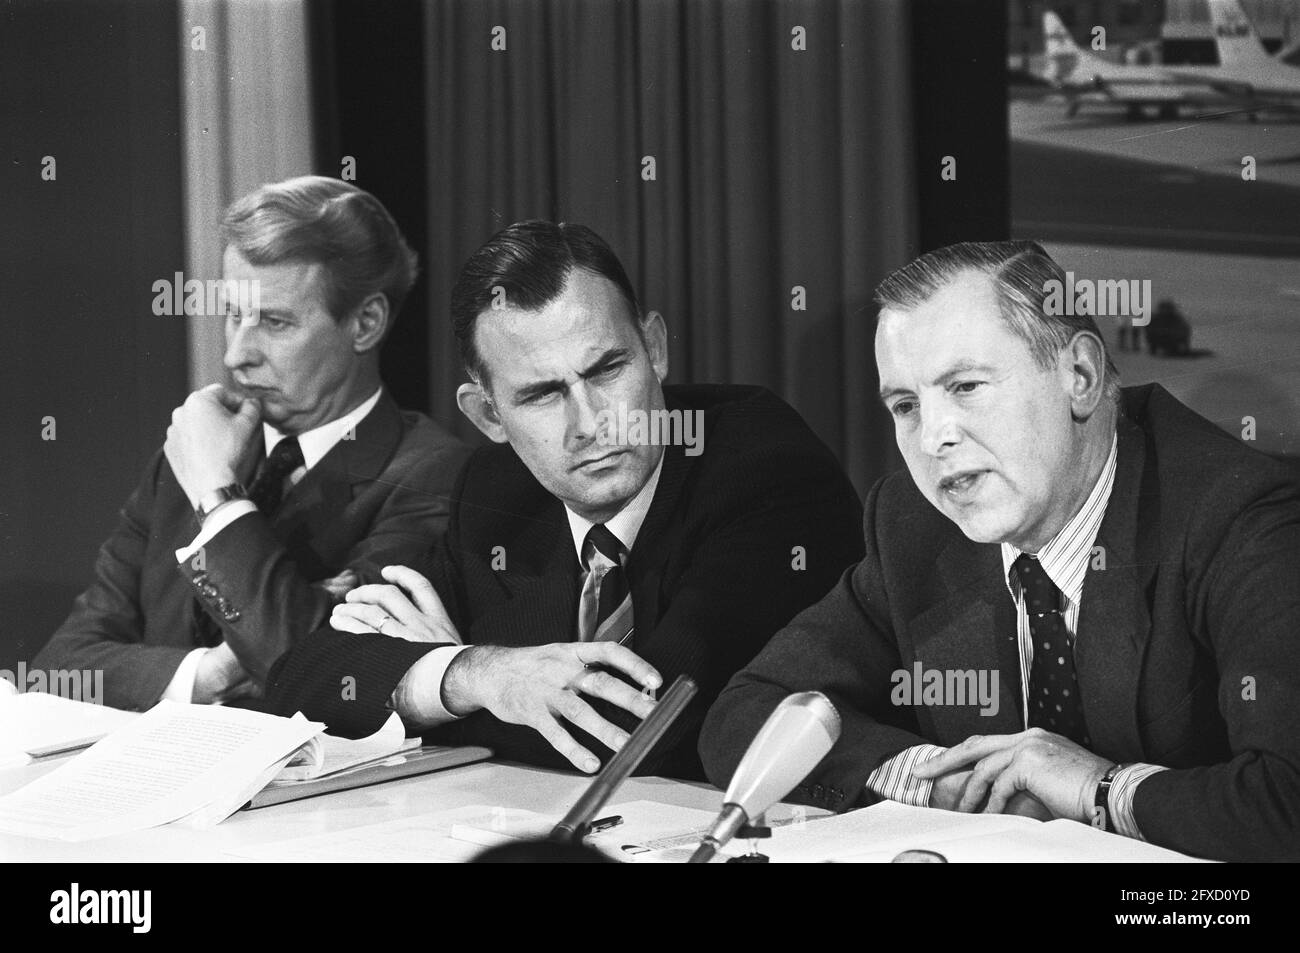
(1065, 559)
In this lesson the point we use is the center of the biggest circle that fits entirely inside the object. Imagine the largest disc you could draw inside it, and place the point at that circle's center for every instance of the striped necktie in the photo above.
(605, 605)
(1054, 701)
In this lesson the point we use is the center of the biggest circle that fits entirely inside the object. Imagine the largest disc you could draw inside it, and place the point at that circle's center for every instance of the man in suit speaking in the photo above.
(268, 497)
(616, 533)
(1119, 571)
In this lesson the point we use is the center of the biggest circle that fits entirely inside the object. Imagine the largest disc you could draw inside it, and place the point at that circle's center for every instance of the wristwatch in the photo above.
(1101, 800)
(209, 502)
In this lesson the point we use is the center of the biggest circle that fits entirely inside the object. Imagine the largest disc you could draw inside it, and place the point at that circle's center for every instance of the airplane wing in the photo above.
(1142, 93)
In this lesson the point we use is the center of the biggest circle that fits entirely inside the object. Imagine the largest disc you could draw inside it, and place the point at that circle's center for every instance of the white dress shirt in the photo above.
(1065, 559)
(314, 444)
(625, 525)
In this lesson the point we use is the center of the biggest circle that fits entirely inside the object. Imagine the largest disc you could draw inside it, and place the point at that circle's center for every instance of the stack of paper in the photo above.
(326, 755)
(198, 763)
(883, 831)
(35, 724)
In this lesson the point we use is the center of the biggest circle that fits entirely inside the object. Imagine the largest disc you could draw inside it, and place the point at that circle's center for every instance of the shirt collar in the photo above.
(321, 440)
(1066, 556)
(625, 524)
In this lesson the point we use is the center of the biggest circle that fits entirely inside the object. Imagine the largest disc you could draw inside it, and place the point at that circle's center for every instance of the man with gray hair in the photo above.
(276, 490)
(1124, 571)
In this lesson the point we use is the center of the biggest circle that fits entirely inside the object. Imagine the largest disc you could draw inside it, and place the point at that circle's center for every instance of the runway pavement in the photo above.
(1245, 318)
(1156, 201)
(1083, 181)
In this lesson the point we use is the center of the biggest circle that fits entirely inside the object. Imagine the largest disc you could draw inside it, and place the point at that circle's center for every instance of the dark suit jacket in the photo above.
(713, 574)
(1199, 602)
(383, 494)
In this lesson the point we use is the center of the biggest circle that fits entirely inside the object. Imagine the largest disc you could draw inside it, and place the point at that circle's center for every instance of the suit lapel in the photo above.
(543, 586)
(327, 488)
(655, 542)
(1114, 619)
(972, 627)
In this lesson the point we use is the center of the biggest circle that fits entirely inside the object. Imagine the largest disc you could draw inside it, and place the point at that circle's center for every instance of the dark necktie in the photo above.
(268, 489)
(605, 610)
(1054, 702)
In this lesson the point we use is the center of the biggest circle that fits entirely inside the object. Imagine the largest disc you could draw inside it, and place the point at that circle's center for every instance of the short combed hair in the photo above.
(530, 262)
(1020, 271)
(313, 219)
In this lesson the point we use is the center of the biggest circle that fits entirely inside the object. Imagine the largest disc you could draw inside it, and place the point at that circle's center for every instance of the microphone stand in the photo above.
(753, 833)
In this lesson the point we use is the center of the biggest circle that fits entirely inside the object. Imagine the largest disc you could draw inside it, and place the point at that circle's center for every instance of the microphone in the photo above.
(797, 735)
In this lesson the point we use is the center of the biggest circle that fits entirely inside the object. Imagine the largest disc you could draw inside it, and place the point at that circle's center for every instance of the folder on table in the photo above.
(404, 764)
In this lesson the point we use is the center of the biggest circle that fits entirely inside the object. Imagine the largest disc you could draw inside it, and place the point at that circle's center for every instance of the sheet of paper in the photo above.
(646, 827)
(652, 831)
(1058, 841)
(230, 800)
(36, 722)
(882, 832)
(887, 826)
(325, 754)
(422, 838)
(462, 834)
(169, 763)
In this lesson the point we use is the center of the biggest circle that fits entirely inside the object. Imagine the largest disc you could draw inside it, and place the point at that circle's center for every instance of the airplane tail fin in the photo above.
(1056, 38)
(1235, 36)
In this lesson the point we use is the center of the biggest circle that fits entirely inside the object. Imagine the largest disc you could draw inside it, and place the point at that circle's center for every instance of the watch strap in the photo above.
(213, 499)
(1101, 800)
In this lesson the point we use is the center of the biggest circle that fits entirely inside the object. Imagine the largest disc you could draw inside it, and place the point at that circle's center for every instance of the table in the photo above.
(510, 785)
(489, 783)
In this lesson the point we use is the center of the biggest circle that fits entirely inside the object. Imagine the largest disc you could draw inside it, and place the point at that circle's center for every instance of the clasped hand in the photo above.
(1032, 772)
(540, 687)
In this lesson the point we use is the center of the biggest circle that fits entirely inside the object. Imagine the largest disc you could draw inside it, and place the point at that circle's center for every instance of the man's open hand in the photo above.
(541, 686)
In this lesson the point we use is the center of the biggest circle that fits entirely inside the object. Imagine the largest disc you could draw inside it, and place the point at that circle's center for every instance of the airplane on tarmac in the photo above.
(1084, 77)
(1246, 71)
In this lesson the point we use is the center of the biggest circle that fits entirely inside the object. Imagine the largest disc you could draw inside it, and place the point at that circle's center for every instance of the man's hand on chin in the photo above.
(1010, 774)
(210, 440)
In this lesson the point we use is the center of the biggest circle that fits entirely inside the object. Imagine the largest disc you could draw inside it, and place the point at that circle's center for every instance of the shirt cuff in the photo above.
(418, 696)
(893, 779)
(1122, 788)
(219, 519)
(181, 687)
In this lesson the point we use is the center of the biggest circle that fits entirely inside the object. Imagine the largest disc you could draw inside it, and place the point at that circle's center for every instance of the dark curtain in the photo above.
(775, 168)
(94, 86)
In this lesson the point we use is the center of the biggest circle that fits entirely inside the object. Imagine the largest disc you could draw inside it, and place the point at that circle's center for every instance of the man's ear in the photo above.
(370, 323)
(476, 404)
(1083, 361)
(655, 334)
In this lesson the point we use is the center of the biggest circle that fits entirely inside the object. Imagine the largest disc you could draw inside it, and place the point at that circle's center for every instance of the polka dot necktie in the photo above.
(605, 605)
(268, 489)
(1054, 702)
